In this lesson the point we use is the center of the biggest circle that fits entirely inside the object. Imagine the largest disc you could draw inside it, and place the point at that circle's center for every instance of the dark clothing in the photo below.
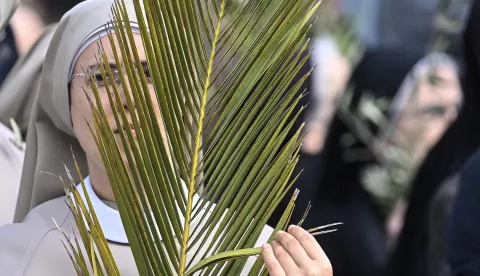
(445, 159)
(360, 246)
(333, 185)
(438, 219)
(8, 52)
(381, 73)
(410, 258)
(464, 226)
(305, 161)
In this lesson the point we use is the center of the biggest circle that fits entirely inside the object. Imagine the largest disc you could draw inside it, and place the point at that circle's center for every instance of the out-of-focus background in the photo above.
(391, 121)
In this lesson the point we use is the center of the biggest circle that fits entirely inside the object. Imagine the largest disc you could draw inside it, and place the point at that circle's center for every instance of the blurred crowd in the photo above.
(390, 139)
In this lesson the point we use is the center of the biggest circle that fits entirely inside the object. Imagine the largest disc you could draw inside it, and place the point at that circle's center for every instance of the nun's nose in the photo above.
(125, 93)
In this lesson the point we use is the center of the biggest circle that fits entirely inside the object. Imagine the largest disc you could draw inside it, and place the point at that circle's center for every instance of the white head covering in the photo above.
(94, 36)
(405, 91)
(50, 138)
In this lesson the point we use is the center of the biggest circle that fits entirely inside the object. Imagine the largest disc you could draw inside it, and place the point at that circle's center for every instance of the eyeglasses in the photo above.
(96, 74)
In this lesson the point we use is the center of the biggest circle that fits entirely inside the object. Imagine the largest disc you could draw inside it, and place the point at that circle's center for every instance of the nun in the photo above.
(33, 245)
(463, 242)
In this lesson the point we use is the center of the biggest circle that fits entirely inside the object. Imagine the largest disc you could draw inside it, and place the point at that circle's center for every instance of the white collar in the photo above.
(108, 218)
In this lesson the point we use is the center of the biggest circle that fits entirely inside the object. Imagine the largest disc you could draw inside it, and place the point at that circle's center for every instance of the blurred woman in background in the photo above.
(354, 183)
(31, 27)
(23, 45)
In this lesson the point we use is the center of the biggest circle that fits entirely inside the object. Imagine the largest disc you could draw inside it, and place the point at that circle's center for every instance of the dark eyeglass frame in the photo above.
(92, 72)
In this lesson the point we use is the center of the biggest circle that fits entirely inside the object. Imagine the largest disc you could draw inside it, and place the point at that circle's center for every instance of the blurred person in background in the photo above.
(331, 70)
(348, 189)
(406, 227)
(332, 67)
(11, 160)
(8, 50)
(464, 227)
(31, 28)
(420, 249)
(11, 146)
(23, 45)
(324, 207)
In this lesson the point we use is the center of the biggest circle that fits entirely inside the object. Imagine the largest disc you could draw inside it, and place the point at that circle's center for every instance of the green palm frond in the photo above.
(348, 42)
(241, 168)
(389, 177)
(258, 13)
(448, 25)
(7, 7)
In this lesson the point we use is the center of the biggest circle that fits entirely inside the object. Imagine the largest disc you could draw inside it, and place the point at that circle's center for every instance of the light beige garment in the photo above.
(34, 247)
(17, 95)
(11, 160)
(18, 91)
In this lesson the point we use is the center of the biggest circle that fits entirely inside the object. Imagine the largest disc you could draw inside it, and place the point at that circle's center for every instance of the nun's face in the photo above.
(430, 112)
(79, 105)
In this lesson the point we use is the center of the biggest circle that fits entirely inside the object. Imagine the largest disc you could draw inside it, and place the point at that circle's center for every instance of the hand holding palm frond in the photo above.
(247, 166)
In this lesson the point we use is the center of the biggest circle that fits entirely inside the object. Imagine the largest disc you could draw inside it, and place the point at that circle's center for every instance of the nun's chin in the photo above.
(125, 160)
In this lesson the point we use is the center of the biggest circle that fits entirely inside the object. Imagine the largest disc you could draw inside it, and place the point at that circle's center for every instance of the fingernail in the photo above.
(291, 227)
(265, 246)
